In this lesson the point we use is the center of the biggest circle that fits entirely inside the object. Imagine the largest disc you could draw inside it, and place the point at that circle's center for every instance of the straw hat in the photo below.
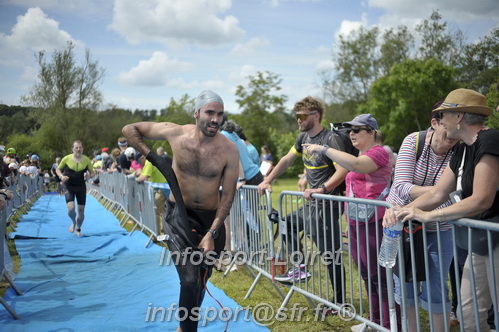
(465, 100)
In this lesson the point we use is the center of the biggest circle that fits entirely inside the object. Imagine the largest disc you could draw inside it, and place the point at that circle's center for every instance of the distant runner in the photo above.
(72, 171)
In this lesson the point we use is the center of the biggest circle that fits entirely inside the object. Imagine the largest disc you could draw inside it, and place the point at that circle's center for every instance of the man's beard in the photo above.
(204, 128)
(306, 127)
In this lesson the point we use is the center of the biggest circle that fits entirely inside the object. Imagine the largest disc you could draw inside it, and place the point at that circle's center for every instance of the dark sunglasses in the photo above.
(357, 130)
(304, 116)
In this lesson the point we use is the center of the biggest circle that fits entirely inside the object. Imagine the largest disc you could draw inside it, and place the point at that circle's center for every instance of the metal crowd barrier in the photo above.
(310, 244)
(459, 256)
(492, 255)
(130, 198)
(252, 235)
(300, 229)
(26, 191)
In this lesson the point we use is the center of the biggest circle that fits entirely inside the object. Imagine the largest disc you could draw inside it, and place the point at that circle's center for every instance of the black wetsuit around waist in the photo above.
(193, 275)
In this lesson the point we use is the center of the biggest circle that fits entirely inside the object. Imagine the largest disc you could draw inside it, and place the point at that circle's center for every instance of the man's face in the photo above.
(77, 149)
(306, 119)
(209, 118)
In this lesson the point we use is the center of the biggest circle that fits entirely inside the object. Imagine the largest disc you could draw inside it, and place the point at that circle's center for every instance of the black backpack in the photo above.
(338, 129)
(420, 143)
(341, 131)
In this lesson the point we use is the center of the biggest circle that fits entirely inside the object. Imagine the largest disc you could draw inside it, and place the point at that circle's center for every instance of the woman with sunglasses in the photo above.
(369, 177)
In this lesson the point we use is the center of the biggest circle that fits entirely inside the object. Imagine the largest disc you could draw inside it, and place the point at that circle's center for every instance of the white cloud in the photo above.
(180, 84)
(33, 32)
(324, 65)
(346, 26)
(153, 71)
(241, 76)
(323, 50)
(250, 47)
(29, 74)
(175, 22)
(277, 3)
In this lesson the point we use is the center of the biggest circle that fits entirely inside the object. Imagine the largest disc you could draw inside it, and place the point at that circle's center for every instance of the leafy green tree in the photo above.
(361, 58)
(357, 63)
(437, 42)
(180, 112)
(402, 101)
(493, 102)
(14, 119)
(339, 112)
(396, 47)
(64, 97)
(282, 143)
(262, 108)
(109, 124)
(479, 66)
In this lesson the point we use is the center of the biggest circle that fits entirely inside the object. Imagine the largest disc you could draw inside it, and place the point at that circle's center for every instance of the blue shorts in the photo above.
(434, 274)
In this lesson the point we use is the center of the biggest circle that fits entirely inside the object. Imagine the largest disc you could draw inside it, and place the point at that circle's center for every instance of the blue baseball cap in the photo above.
(35, 157)
(363, 120)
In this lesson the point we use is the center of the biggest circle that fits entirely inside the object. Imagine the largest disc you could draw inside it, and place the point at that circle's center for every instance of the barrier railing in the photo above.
(252, 235)
(489, 258)
(433, 258)
(26, 191)
(310, 244)
(134, 200)
(301, 229)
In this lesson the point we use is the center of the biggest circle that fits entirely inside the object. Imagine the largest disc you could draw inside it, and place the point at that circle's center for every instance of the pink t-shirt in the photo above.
(371, 185)
(136, 165)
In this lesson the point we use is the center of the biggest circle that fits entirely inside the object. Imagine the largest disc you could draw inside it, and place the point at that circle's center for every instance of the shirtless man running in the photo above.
(203, 160)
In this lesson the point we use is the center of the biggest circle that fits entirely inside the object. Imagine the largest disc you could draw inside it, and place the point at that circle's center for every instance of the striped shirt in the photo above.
(410, 173)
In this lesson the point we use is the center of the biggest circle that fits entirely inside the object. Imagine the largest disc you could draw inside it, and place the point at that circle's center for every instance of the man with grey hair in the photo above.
(160, 151)
(203, 160)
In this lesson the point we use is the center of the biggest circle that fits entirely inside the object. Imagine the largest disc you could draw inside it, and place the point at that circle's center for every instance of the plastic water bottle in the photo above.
(390, 245)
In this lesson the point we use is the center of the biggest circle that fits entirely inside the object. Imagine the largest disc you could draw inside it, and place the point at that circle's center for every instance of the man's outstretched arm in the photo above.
(136, 132)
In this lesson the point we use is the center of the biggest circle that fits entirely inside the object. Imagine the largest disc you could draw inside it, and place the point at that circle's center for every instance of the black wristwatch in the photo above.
(214, 233)
(324, 188)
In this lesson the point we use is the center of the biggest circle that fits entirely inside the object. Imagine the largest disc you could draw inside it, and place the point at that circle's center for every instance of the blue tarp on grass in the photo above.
(103, 281)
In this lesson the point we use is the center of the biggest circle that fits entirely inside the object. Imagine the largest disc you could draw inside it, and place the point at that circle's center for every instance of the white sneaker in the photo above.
(226, 260)
(295, 274)
(362, 327)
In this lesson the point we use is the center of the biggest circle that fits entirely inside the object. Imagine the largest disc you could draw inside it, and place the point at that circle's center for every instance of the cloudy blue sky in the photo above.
(154, 50)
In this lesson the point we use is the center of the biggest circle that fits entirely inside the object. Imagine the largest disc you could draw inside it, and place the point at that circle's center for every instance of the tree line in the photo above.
(386, 74)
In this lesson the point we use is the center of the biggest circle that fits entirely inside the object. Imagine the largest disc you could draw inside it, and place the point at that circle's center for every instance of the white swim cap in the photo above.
(206, 97)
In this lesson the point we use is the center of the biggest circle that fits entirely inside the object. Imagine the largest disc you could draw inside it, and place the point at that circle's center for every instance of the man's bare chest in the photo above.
(197, 161)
